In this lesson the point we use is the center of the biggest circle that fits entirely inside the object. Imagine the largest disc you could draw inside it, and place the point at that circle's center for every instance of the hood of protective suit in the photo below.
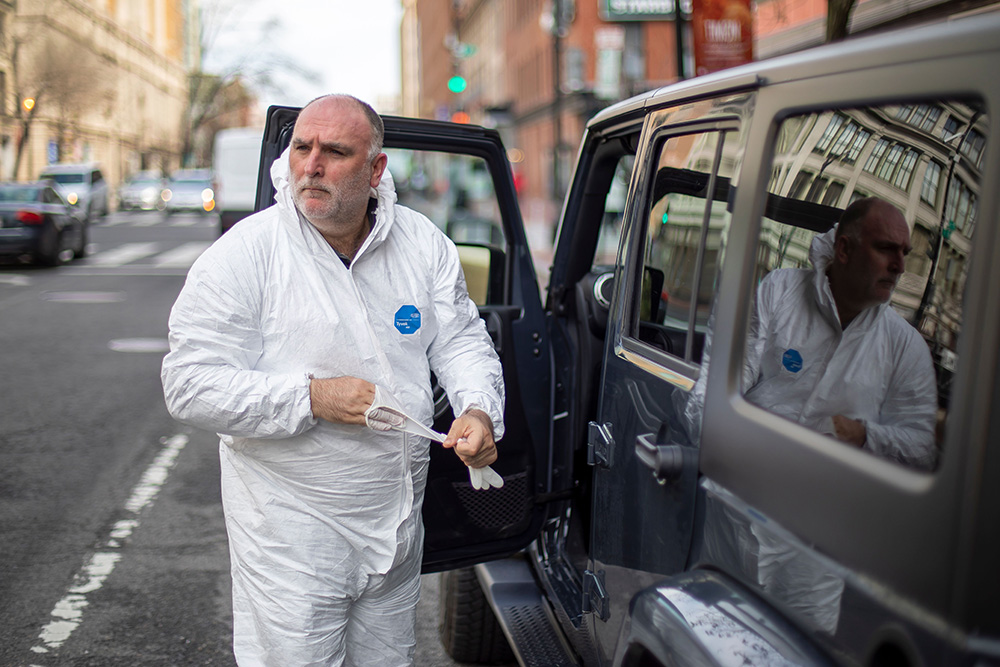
(384, 194)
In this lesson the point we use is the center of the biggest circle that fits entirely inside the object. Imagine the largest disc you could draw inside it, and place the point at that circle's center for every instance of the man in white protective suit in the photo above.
(290, 328)
(827, 350)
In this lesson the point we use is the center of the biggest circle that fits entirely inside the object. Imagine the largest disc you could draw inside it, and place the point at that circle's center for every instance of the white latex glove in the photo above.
(385, 414)
(382, 415)
(485, 478)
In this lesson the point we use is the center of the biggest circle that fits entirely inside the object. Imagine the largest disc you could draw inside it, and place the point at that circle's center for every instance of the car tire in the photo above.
(80, 251)
(469, 630)
(50, 247)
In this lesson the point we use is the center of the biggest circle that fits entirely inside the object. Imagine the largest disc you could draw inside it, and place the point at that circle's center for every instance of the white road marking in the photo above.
(84, 297)
(15, 279)
(146, 220)
(123, 254)
(68, 612)
(139, 345)
(183, 255)
(190, 220)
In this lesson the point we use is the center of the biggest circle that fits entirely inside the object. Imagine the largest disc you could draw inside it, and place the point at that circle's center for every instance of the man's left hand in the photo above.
(471, 435)
(850, 430)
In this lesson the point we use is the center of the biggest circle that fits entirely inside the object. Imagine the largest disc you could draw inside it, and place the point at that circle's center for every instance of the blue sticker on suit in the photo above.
(407, 320)
(792, 360)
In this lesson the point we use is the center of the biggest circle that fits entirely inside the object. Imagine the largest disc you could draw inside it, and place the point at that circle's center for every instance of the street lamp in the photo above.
(28, 103)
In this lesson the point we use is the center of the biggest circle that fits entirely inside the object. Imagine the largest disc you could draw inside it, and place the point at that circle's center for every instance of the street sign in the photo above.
(637, 10)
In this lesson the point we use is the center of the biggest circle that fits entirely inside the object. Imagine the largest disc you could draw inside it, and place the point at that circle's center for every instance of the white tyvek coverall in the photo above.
(318, 513)
(802, 366)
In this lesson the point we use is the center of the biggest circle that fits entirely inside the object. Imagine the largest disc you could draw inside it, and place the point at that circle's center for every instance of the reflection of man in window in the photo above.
(828, 351)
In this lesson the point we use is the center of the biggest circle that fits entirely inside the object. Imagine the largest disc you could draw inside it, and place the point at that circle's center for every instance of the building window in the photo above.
(816, 189)
(860, 140)
(927, 125)
(829, 133)
(872, 164)
(902, 179)
(932, 181)
(799, 184)
(888, 167)
(972, 146)
(844, 139)
(833, 193)
(950, 128)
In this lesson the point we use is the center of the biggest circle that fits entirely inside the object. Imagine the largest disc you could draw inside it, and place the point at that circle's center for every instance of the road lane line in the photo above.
(183, 255)
(123, 254)
(68, 612)
(146, 221)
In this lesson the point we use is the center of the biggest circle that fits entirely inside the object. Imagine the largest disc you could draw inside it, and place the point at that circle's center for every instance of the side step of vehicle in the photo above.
(523, 615)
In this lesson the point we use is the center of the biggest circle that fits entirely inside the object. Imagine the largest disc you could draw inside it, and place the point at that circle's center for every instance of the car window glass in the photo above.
(15, 193)
(457, 193)
(65, 178)
(685, 218)
(614, 208)
(856, 337)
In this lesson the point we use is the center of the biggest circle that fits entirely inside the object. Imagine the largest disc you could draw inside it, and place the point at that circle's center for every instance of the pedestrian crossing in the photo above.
(141, 258)
(154, 218)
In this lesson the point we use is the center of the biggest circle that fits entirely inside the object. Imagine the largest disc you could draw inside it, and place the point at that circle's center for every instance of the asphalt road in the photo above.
(114, 548)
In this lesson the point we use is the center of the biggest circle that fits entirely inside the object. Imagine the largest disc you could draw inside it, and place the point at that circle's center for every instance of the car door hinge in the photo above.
(599, 444)
(595, 597)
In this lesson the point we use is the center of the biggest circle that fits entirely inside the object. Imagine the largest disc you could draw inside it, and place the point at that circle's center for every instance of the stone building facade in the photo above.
(94, 80)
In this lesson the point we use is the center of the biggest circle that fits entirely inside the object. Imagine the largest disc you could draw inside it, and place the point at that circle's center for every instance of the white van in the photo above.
(235, 161)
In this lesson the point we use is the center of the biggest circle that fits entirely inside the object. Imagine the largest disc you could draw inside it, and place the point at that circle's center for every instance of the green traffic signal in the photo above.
(456, 84)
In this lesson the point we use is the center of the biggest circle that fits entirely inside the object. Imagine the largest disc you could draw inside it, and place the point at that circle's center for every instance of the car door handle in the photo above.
(666, 461)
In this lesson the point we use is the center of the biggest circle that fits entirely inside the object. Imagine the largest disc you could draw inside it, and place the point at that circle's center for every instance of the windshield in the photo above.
(19, 194)
(65, 178)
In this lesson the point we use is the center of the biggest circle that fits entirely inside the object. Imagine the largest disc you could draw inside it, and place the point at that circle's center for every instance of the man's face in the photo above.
(330, 170)
(873, 264)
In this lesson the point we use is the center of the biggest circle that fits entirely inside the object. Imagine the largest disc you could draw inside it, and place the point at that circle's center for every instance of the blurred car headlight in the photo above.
(72, 198)
(207, 195)
(166, 194)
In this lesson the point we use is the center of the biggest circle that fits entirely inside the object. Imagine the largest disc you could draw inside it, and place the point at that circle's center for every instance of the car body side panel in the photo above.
(703, 619)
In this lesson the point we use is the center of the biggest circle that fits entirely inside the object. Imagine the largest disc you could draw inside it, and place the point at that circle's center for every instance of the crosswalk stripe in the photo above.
(181, 256)
(146, 221)
(188, 221)
(123, 254)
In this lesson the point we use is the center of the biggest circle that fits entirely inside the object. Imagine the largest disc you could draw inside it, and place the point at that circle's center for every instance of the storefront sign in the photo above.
(723, 34)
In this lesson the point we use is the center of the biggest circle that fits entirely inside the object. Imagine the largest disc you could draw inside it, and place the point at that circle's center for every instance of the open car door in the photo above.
(459, 176)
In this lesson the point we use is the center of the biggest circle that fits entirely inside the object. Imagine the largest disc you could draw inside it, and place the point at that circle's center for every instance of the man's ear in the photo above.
(378, 167)
(842, 249)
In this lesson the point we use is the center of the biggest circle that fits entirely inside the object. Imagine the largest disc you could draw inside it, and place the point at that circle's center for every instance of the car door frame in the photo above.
(867, 514)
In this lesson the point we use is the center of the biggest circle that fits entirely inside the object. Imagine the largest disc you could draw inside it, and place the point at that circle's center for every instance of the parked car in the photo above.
(652, 515)
(37, 224)
(82, 185)
(190, 190)
(143, 190)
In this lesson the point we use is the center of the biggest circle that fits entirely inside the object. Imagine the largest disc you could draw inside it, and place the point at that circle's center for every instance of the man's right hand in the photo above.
(342, 400)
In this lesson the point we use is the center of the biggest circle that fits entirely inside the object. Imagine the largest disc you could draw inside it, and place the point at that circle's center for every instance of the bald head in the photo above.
(333, 101)
(870, 248)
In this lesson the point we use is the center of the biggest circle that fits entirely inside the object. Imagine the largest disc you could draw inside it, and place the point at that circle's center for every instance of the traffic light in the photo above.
(460, 117)
(457, 84)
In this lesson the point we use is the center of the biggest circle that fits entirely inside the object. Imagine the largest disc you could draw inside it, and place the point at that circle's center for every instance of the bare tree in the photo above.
(58, 79)
(838, 16)
(213, 89)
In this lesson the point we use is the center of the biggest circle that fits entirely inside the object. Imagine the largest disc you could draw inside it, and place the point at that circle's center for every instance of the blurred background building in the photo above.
(102, 81)
(537, 70)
